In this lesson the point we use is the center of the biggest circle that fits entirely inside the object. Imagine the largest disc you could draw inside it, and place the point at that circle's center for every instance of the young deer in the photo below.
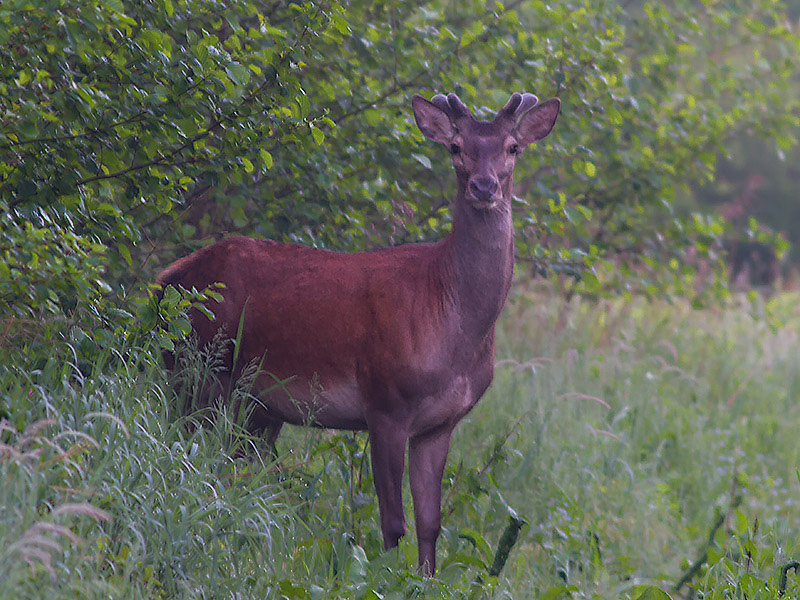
(398, 341)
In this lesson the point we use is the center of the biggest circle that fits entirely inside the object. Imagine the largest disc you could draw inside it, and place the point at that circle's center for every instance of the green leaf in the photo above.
(164, 340)
(183, 325)
(125, 253)
(653, 593)
(423, 160)
(479, 543)
(171, 296)
(163, 204)
(340, 24)
(266, 159)
(471, 34)
(238, 73)
(291, 590)
(29, 130)
(205, 311)
(304, 104)
(590, 281)
(280, 33)
(120, 315)
(558, 591)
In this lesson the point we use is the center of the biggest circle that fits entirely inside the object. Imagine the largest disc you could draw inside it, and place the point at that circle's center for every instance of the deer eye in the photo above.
(455, 149)
(513, 149)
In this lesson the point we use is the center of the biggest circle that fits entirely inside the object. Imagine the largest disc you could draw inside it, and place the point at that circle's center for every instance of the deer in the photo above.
(397, 341)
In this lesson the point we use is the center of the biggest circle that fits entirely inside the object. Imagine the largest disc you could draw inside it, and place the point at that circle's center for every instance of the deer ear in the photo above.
(433, 122)
(535, 124)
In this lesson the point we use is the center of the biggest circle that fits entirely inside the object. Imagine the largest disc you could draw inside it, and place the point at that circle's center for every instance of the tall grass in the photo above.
(624, 434)
(635, 425)
(107, 494)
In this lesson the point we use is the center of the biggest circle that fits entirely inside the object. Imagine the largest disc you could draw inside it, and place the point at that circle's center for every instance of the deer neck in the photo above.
(480, 250)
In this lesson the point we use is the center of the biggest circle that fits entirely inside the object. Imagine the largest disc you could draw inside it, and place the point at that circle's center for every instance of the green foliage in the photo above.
(107, 495)
(113, 117)
(647, 105)
(163, 315)
(130, 133)
(760, 183)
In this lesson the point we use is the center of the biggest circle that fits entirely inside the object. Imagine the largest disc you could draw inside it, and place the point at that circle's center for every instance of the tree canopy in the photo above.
(131, 133)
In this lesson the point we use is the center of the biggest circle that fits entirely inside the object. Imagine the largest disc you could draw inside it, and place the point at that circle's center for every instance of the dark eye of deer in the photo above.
(513, 149)
(455, 149)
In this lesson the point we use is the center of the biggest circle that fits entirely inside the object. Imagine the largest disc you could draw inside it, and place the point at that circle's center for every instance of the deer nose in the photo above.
(483, 188)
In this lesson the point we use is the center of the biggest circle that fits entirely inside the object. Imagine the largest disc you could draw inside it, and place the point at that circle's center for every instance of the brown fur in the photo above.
(398, 341)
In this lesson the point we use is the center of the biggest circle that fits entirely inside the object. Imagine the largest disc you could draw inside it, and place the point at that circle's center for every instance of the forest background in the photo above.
(132, 134)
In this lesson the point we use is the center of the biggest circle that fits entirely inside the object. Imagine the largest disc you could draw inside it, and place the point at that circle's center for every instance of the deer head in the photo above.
(484, 152)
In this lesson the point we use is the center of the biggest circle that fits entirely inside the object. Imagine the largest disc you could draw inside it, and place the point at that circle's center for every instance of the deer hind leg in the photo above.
(388, 450)
(270, 434)
(267, 426)
(427, 455)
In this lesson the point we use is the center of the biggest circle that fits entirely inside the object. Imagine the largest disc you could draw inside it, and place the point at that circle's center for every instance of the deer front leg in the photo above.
(427, 456)
(388, 450)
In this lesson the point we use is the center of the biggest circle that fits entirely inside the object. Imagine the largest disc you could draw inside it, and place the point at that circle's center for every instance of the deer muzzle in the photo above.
(483, 191)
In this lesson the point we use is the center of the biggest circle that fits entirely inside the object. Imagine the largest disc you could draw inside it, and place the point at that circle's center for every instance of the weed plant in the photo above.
(648, 448)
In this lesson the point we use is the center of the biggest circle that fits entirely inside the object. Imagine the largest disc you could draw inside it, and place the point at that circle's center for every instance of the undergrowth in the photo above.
(636, 449)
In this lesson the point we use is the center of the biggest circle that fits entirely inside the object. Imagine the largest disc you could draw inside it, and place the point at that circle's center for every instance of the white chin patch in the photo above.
(481, 205)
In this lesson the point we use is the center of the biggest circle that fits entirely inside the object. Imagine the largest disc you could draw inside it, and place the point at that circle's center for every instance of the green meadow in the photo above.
(637, 448)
